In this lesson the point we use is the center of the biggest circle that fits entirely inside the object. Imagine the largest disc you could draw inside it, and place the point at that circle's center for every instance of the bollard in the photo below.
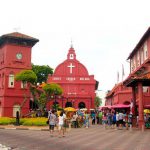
(17, 118)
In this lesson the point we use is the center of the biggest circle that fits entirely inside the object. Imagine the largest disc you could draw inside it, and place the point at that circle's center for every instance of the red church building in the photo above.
(15, 55)
(78, 86)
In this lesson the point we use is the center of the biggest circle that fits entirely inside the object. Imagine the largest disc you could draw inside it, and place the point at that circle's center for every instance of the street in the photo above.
(93, 138)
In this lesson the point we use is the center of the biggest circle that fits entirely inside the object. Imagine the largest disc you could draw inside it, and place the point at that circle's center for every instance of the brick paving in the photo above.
(93, 138)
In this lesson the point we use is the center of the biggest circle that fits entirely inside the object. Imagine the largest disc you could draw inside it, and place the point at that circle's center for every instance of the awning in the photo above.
(105, 107)
(147, 106)
(120, 106)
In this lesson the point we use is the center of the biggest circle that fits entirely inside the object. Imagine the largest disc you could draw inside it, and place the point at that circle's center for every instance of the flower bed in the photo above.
(39, 121)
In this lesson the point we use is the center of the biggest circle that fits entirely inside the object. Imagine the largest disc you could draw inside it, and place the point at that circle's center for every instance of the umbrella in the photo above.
(70, 109)
(147, 111)
(105, 107)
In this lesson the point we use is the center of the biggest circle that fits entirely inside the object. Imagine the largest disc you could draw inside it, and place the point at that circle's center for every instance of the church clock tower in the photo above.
(15, 55)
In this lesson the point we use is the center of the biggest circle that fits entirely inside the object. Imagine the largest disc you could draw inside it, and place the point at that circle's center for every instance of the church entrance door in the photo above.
(68, 104)
(81, 105)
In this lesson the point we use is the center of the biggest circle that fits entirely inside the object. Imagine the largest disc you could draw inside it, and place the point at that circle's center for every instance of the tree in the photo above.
(97, 101)
(42, 72)
(26, 76)
(54, 90)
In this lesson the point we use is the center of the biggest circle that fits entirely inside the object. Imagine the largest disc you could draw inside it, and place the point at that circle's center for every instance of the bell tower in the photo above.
(15, 55)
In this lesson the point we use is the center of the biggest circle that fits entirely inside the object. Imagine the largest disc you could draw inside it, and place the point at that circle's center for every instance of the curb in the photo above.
(24, 128)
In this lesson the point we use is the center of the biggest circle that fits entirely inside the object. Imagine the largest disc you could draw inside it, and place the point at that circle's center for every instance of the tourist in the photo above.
(109, 119)
(121, 117)
(74, 120)
(86, 120)
(104, 120)
(52, 122)
(100, 115)
(117, 119)
(114, 120)
(93, 116)
(61, 120)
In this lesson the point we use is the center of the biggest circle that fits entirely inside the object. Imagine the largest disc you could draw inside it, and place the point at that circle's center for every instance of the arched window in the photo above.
(15, 109)
(81, 105)
(71, 56)
(11, 80)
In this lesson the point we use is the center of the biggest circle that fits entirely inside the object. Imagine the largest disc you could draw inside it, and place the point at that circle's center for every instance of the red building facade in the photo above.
(120, 94)
(15, 55)
(78, 86)
(139, 77)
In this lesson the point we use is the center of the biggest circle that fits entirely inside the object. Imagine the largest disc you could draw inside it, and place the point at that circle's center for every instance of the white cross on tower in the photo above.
(71, 66)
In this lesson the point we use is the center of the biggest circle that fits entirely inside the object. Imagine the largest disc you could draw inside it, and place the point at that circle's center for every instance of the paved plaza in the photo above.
(93, 138)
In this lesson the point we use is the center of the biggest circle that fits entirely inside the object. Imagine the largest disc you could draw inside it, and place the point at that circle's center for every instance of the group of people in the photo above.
(54, 120)
(112, 119)
(117, 119)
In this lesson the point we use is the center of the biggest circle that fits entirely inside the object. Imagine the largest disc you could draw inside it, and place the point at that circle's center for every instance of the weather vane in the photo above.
(71, 43)
(16, 29)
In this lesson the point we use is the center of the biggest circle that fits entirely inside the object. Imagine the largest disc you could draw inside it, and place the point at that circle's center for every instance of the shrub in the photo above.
(40, 121)
(35, 121)
(6, 120)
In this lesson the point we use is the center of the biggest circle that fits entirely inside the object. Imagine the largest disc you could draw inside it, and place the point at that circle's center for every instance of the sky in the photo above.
(103, 32)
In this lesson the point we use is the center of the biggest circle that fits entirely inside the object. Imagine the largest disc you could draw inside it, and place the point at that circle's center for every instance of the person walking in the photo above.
(86, 120)
(74, 120)
(52, 122)
(93, 116)
(61, 120)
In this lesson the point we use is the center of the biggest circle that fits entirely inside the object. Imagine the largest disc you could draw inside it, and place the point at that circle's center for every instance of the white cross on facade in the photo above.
(71, 66)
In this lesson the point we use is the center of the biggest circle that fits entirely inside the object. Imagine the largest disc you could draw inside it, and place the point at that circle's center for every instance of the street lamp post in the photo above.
(62, 101)
(55, 93)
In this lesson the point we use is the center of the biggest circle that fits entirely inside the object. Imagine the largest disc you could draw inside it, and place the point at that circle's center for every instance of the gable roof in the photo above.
(140, 43)
(18, 35)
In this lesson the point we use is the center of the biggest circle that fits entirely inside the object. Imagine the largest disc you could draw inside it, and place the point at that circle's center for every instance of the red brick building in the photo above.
(15, 55)
(120, 94)
(78, 86)
(139, 77)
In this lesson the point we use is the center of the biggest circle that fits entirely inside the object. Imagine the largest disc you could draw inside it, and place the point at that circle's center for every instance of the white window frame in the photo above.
(71, 56)
(11, 80)
(23, 84)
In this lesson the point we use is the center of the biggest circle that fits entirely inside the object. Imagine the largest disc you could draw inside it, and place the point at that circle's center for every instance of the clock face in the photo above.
(19, 56)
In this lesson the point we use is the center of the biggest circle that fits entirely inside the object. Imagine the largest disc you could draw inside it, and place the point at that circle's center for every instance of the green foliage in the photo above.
(53, 89)
(42, 72)
(42, 101)
(40, 121)
(56, 106)
(7, 120)
(97, 101)
(26, 76)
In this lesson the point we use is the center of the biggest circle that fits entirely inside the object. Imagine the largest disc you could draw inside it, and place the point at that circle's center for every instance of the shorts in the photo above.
(51, 127)
(60, 126)
(114, 122)
(121, 121)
